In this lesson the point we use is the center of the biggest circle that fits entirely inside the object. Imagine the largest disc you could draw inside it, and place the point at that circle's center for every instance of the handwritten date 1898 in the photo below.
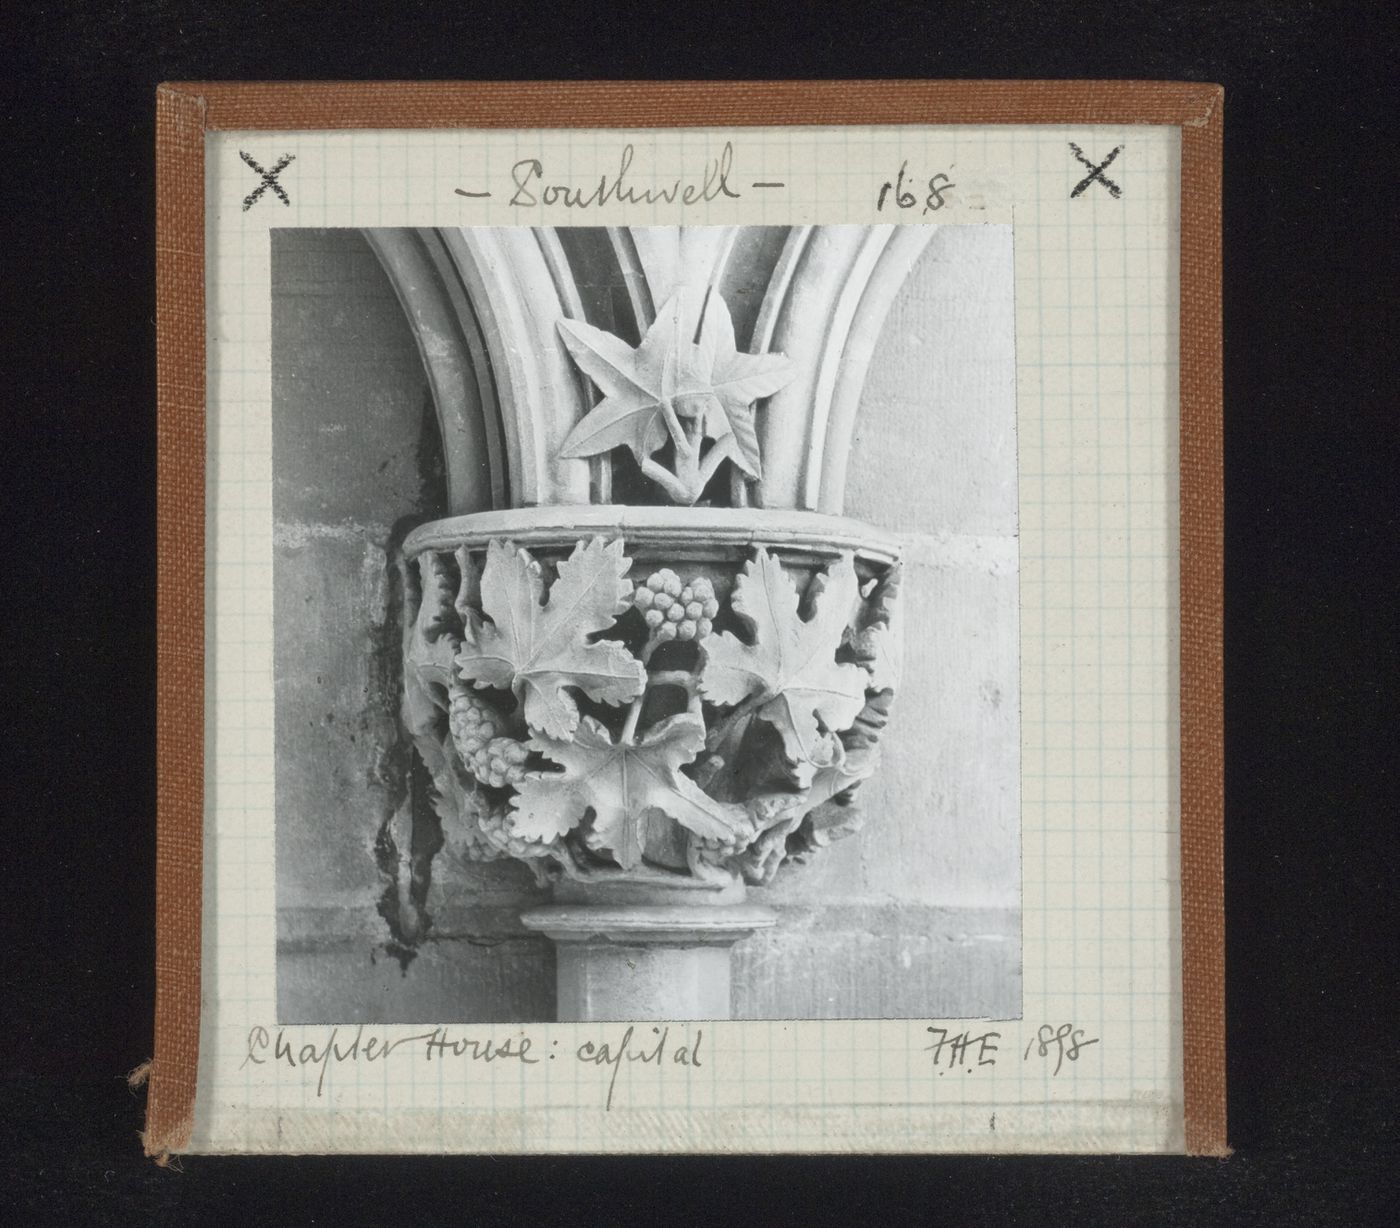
(1064, 1044)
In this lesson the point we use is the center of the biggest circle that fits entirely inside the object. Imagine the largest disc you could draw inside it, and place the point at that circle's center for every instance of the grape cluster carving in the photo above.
(674, 610)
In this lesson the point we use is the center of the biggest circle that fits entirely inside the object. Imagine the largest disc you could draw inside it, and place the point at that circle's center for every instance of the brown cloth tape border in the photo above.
(179, 617)
(185, 111)
(1202, 640)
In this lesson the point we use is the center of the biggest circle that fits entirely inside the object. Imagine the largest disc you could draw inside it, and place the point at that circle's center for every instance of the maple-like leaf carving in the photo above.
(536, 649)
(625, 784)
(675, 385)
(791, 667)
(878, 643)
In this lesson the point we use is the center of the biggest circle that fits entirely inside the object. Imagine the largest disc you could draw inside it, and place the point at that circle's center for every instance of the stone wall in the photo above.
(917, 916)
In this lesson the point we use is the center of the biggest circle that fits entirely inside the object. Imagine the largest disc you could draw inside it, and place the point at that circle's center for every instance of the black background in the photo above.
(1311, 441)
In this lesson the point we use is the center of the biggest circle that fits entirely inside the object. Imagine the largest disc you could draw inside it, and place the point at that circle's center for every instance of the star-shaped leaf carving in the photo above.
(537, 649)
(625, 784)
(675, 384)
(790, 669)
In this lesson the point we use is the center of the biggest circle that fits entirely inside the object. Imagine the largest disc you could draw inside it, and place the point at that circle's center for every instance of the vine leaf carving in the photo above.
(680, 383)
(624, 783)
(879, 644)
(790, 670)
(846, 769)
(536, 649)
(431, 644)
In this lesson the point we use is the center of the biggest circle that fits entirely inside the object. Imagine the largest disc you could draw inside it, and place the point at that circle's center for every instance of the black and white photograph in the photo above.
(646, 623)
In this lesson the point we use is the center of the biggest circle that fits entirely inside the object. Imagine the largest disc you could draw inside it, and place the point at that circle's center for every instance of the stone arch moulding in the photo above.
(483, 305)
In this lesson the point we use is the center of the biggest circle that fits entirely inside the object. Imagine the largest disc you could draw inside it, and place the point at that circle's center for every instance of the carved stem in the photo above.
(634, 712)
(688, 468)
(718, 454)
(722, 727)
(665, 478)
(673, 425)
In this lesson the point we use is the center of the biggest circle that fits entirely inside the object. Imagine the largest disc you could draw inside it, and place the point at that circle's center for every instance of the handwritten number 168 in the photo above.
(906, 199)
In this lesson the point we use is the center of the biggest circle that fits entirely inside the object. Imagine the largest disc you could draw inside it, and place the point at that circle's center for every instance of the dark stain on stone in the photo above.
(432, 467)
(402, 928)
(402, 777)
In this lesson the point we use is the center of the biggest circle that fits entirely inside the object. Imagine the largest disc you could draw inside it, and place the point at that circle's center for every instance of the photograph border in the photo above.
(186, 111)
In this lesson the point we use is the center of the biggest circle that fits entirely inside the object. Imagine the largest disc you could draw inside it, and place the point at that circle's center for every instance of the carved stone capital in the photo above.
(663, 701)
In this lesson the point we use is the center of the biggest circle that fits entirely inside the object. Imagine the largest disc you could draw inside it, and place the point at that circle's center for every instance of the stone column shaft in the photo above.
(641, 962)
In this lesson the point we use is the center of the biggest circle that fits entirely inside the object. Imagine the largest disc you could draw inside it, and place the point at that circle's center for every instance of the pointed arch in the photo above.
(476, 480)
(485, 304)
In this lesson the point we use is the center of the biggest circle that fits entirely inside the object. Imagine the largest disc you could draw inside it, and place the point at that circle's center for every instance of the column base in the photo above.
(645, 961)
